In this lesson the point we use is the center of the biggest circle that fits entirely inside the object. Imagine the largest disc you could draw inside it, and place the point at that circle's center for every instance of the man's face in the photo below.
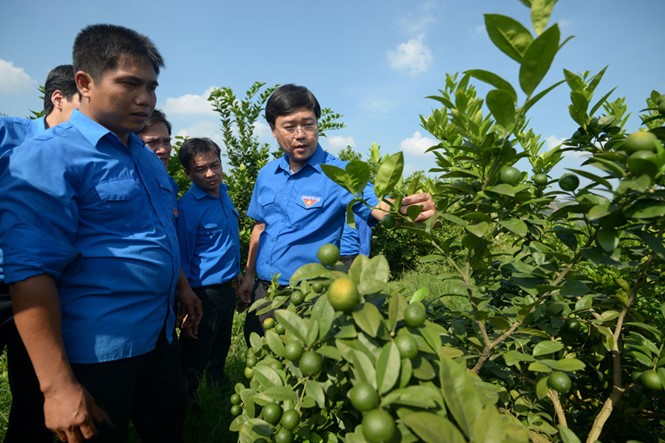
(158, 140)
(298, 135)
(122, 99)
(205, 170)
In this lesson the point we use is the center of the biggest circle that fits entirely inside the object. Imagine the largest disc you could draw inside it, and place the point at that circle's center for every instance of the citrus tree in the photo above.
(551, 327)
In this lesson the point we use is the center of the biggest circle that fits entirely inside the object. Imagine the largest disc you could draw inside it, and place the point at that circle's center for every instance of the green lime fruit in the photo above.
(363, 397)
(317, 287)
(290, 419)
(328, 254)
(378, 426)
(343, 295)
(644, 162)
(388, 221)
(293, 350)
(310, 363)
(283, 436)
(510, 175)
(415, 314)
(236, 410)
(251, 361)
(280, 329)
(651, 380)
(235, 399)
(249, 372)
(272, 413)
(640, 141)
(540, 179)
(297, 298)
(268, 323)
(407, 345)
(569, 182)
(572, 325)
(559, 381)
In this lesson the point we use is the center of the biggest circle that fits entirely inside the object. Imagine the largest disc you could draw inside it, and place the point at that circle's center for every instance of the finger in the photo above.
(61, 435)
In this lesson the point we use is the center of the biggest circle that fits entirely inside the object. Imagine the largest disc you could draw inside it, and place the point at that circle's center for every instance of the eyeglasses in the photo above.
(308, 128)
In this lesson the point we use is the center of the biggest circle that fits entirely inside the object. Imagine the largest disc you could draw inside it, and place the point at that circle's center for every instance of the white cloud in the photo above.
(262, 130)
(204, 128)
(337, 142)
(417, 144)
(14, 80)
(190, 104)
(412, 56)
(421, 20)
(553, 141)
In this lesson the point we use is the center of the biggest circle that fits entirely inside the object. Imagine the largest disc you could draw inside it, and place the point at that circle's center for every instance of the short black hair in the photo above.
(101, 47)
(157, 116)
(60, 78)
(196, 146)
(287, 98)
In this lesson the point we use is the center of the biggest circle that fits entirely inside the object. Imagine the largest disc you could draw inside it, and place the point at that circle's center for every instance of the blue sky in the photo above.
(373, 61)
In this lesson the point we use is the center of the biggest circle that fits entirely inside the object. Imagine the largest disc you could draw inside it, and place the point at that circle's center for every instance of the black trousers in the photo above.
(26, 416)
(208, 353)
(150, 390)
(254, 322)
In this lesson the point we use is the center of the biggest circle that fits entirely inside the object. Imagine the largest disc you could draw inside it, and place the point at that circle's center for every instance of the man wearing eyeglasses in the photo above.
(297, 208)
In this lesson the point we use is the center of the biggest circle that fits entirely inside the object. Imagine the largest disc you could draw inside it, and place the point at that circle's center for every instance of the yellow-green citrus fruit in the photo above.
(569, 182)
(343, 295)
(251, 361)
(236, 410)
(540, 179)
(293, 350)
(268, 323)
(388, 221)
(297, 298)
(651, 380)
(249, 372)
(415, 314)
(235, 399)
(328, 254)
(317, 287)
(363, 397)
(378, 426)
(510, 175)
(407, 345)
(280, 329)
(310, 363)
(290, 419)
(272, 413)
(640, 141)
(559, 381)
(283, 436)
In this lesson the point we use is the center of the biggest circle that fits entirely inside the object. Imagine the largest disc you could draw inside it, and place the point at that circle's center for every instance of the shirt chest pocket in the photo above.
(116, 202)
(117, 190)
(208, 234)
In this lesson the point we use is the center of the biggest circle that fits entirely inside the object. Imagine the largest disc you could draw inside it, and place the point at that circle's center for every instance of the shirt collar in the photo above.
(94, 132)
(200, 193)
(318, 157)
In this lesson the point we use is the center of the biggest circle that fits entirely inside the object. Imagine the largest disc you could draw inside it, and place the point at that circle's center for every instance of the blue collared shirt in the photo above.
(301, 212)
(208, 236)
(13, 132)
(98, 216)
(356, 240)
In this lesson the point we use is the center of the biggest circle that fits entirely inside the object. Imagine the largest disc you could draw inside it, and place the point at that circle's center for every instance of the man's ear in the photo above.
(84, 82)
(57, 98)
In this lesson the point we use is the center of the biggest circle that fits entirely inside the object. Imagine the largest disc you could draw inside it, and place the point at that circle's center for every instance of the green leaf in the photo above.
(461, 395)
(374, 275)
(274, 342)
(547, 347)
(388, 174)
(368, 318)
(654, 242)
(432, 428)
(292, 323)
(308, 272)
(574, 288)
(513, 357)
(324, 314)
(387, 368)
(501, 104)
(281, 393)
(509, 35)
(494, 80)
(363, 367)
(418, 396)
(267, 376)
(515, 225)
(538, 366)
(647, 208)
(567, 364)
(360, 174)
(568, 436)
(538, 59)
(312, 332)
(542, 388)
(315, 390)
(479, 230)
(541, 10)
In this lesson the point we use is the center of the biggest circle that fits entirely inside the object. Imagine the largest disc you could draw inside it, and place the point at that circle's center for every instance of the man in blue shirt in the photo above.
(297, 208)
(210, 258)
(355, 241)
(26, 416)
(91, 253)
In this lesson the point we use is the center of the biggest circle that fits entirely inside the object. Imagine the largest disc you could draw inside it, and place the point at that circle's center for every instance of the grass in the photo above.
(211, 423)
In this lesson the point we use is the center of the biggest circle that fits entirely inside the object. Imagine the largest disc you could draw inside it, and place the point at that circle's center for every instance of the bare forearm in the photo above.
(254, 248)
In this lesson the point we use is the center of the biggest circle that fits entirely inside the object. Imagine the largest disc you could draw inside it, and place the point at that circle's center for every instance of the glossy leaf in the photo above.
(387, 368)
(368, 318)
(509, 35)
(388, 175)
(538, 59)
(501, 104)
(432, 428)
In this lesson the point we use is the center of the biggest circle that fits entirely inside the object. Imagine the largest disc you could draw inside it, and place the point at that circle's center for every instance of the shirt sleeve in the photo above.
(186, 239)
(39, 213)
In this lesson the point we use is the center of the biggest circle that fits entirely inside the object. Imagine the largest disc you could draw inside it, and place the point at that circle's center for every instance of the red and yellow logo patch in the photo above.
(309, 200)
